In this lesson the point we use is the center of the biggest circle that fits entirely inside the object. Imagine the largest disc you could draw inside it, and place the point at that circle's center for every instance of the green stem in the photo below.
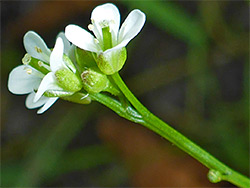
(117, 107)
(154, 123)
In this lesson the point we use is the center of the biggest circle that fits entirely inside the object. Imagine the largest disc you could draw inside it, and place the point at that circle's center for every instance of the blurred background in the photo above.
(189, 65)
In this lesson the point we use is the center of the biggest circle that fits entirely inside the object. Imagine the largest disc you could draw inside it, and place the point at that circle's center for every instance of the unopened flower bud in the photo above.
(112, 61)
(214, 176)
(94, 81)
(68, 80)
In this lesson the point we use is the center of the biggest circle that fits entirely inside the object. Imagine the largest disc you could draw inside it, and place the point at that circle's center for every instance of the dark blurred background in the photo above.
(189, 65)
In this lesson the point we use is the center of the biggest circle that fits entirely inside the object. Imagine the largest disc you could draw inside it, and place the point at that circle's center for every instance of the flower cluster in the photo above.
(109, 41)
(83, 67)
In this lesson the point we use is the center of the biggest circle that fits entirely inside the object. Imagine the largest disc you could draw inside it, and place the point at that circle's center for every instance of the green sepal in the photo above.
(111, 61)
(112, 88)
(69, 63)
(94, 81)
(68, 80)
(79, 98)
(53, 93)
(84, 58)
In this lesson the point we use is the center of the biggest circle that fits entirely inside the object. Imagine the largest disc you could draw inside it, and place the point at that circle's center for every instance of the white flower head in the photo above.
(26, 79)
(58, 64)
(105, 25)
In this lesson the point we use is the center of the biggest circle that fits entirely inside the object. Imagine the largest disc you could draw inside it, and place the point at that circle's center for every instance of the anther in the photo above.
(104, 23)
(26, 59)
(90, 27)
(39, 50)
(40, 63)
(28, 71)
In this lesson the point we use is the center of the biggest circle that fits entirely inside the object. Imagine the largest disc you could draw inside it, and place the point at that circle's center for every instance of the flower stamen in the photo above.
(104, 23)
(40, 63)
(26, 59)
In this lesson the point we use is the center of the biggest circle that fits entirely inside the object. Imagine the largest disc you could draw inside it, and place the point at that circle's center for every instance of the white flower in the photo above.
(68, 48)
(106, 16)
(57, 63)
(25, 79)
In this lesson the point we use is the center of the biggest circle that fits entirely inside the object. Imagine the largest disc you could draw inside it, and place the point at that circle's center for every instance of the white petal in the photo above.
(71, 54)
(56, 57)
(131, 27)
(24, 79)
(31, 105)
(48, 104)
(66, 43)
(81, 38)
(107, 12)
(97, 30)
(48, 83)
(119, 46)
(35, 46)
(110, 54)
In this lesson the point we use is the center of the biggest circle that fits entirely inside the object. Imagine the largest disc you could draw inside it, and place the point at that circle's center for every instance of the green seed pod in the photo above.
(68, 80)
(112, 61)
(94, 81)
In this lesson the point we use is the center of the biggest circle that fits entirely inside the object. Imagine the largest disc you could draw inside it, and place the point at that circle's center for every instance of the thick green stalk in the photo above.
(218, 170)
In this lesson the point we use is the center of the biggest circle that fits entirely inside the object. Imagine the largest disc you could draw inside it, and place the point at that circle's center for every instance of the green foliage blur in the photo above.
(189, 66)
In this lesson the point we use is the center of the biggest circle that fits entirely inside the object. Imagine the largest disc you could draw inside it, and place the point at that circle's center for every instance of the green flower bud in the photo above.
(84, 58)
(112, 61)
(214, 176)
(68, 80)
(94, 81)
